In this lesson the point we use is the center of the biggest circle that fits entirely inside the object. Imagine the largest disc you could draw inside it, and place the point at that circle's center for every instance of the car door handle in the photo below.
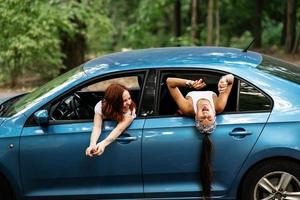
(240, 132)
(126, 139)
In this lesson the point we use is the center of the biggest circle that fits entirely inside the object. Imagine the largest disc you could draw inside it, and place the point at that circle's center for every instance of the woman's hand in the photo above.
(222, 85)
(197, 84)
(224, 82)
(100, 147)
(90, 150)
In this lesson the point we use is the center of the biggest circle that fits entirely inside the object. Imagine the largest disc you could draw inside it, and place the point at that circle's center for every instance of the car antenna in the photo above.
(245, 50)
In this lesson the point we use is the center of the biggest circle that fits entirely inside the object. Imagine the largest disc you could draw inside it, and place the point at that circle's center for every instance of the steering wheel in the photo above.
(75, 104)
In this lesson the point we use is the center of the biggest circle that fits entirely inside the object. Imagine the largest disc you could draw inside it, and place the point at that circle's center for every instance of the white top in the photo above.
(196, 95)
(98, 110)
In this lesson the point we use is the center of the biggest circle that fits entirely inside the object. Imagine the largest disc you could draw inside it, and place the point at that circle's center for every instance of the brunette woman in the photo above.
(203, 105)
(116, 105)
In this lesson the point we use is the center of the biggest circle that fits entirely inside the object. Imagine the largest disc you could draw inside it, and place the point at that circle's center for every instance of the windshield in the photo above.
(280, 68)
(43, 91)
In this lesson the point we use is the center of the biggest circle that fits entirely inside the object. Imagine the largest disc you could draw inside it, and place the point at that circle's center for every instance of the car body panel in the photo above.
(173, 57)
(94, 176)
(171, 153)
(10, 131)
(44, 173)
(2, 119)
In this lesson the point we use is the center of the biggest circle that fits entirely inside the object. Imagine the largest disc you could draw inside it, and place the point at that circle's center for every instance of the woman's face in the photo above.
(205, 112)
(126, 100)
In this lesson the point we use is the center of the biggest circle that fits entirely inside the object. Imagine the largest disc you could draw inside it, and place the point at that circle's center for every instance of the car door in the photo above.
(172, 145)
(53, 161)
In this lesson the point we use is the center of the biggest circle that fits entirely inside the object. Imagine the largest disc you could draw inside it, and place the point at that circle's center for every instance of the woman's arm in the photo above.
(180, 82)
(95, 134)
(121, 126)
(224, 86)
(173, 86)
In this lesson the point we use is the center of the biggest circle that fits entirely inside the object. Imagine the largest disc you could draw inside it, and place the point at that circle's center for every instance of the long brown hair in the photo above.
(112, 104)
(206, 174)
(206, 168)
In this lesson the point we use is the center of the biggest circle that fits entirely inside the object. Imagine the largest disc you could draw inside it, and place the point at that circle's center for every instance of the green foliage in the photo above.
(150, 24)
(30, 33)
(243, 41)
(271, 32)
(29, 39)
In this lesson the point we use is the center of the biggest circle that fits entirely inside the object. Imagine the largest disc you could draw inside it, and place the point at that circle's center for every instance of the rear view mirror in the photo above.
(41, 117)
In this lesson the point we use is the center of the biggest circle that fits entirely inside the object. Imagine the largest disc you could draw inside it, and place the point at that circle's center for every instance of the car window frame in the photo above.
(258, 89)
(207, 70)
(31, 122)
(166, 70)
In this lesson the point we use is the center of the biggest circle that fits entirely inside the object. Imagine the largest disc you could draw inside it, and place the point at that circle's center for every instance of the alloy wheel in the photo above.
(277, 185)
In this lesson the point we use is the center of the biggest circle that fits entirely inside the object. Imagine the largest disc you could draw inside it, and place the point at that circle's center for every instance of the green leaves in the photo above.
(30, 33)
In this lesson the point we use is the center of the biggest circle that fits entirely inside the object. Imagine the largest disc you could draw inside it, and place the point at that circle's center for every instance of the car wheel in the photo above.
(274, 179)
(5, 191)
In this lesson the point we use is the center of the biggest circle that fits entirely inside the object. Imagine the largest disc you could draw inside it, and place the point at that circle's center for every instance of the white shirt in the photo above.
(196, 95)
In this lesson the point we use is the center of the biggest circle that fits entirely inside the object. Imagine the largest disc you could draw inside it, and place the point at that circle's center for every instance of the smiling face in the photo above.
(126, 100)
(205, 113)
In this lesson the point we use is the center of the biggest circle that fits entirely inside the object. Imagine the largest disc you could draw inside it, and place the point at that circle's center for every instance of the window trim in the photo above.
(187, 70)
(258, 89)
(205, 70)
(31, 123)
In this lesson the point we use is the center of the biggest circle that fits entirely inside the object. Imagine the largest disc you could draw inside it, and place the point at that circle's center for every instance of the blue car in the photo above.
(44, 134)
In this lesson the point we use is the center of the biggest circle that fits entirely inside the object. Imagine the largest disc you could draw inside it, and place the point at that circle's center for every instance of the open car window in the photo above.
(78, 104)
(244, 97)
(167, 105)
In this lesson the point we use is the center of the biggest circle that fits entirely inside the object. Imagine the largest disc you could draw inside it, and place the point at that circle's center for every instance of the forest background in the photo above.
(40, 39)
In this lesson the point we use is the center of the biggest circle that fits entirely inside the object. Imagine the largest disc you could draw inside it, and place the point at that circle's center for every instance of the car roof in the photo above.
(173, 57)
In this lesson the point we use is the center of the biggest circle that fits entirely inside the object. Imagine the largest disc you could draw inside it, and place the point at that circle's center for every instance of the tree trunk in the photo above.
(177, 19)
(209, 37)
(217, 14)
(195, 22)
(15, 69)
(283, 32)
(73, 47)
(290, 25)
(296, 44)
(257, 27)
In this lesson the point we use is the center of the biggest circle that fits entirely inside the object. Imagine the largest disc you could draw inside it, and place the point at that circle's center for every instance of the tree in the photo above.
(257, 26)
(209, 36)
(217, 22)
(31, 36)
(177, 18)
(290, 25)
(83, 16)
(195, 32)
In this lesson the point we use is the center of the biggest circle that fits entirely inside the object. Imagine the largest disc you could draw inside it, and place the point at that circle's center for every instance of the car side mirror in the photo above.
(41, 117)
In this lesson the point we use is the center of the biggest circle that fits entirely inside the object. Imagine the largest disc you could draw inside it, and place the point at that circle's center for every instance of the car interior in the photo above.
(167, 105)
(79, 104)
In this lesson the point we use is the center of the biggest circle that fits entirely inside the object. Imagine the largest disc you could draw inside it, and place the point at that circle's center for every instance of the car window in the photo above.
(251, 99)
(167, 105)
(244, 97)
(79, 104)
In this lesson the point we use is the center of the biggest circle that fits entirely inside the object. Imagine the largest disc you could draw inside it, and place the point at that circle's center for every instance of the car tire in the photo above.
(5, 190)
(273, 179)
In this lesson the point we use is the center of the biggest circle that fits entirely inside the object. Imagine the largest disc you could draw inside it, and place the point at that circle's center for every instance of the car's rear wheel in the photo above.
(5, 190)
(274, 179)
